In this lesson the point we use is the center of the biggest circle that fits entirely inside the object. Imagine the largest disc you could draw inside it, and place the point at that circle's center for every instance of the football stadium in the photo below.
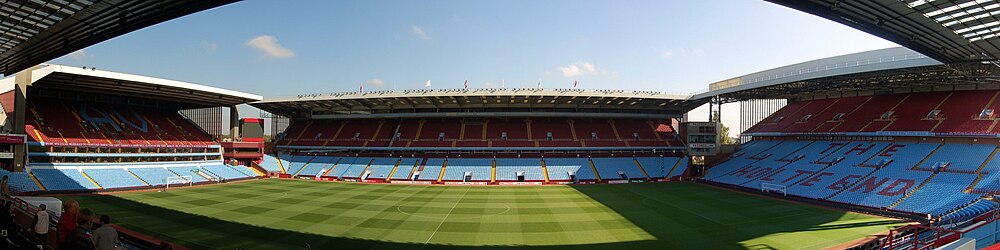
(894, 148)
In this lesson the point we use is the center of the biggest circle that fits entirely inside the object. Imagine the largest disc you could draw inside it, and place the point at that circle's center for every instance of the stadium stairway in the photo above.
(257, 169)
(619, 137)
(307, 163)
(306, 128)
(545, 171)
(643, 170)
(572, 131)
(137, 177)
(211, 174)
(443, 167)
(280, 165)
(671, 173)
(37, 182)
(849, 186)
(203, 174)
(172, 172)
(408, 174)
(927, 157)
(979, 171)
(91, 180)
(378, 131)
(394, 167)
(332, 167)
(369, 167)
(963, 207)
(846, 187)
(914, 190)
(986, 162)
(417, 166)
(340, 128)
(592, 167)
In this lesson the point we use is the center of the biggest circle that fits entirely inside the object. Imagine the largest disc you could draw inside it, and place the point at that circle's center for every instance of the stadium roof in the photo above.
(35, 31)
(882, 70)
(464, 100)
(58, 78)
(949, 31)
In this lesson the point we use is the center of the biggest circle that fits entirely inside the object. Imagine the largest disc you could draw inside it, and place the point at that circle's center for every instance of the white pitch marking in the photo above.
(445, 218)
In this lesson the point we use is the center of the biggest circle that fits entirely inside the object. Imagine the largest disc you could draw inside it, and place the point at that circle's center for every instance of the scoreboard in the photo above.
(703, 138)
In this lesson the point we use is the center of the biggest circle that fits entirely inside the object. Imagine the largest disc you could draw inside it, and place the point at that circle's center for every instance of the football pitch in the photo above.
(288, 214)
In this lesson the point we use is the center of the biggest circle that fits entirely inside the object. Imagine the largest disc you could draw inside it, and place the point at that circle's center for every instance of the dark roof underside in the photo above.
(36, 31)
(917, 79)
(947, 30)
(69, 86)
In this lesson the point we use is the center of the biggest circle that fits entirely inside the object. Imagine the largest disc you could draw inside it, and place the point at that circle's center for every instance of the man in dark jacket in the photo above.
(67, 221)
(80, 239)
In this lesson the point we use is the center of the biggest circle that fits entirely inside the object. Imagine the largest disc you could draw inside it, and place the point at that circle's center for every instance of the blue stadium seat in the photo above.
(244, 170)
(63, 179)
(353, 169)
(960, 157)
(507, 169)
(188, 171)
(480, 168)
(940, 195)
(968, 212)
(559, 169)
(431, 170)
(405, 168)
(872, 174)
(318, 165)
(990, 183)
(114, 178)
(153, 175)
(270, 163)
(882, 188)
(295, 163)
(659, 167)
(609, 168)
(20, 181)
(224, 172)
(381, 167)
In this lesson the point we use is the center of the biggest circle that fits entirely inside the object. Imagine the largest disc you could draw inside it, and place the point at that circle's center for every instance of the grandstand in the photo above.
(84, 137)
(902, 132)
(914, 149)
(512, 136)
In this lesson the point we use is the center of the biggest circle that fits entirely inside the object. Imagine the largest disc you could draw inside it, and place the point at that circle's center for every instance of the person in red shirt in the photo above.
(67, 222)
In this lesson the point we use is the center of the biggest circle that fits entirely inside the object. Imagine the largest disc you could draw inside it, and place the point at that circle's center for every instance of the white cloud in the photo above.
(210, 46)
(668, 53)
(427, 83)
(419, 32)
(681, 52)
(375, 82)
(578, 68)
(78, 55)
(270, 47)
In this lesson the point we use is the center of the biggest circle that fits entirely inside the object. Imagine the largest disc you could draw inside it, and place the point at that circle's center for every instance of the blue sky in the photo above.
(282, 48)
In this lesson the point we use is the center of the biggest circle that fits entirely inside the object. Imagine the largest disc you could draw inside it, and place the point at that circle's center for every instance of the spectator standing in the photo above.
(105, 237)
(5, 188)
(67, 222)
(81, 238)
(41, 225)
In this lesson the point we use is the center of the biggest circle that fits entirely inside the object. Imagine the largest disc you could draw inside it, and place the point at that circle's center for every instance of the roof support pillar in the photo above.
(234, 123)
(16, 118)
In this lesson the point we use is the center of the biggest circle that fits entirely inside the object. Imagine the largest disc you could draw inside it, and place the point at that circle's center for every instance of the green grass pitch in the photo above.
(287, 214)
